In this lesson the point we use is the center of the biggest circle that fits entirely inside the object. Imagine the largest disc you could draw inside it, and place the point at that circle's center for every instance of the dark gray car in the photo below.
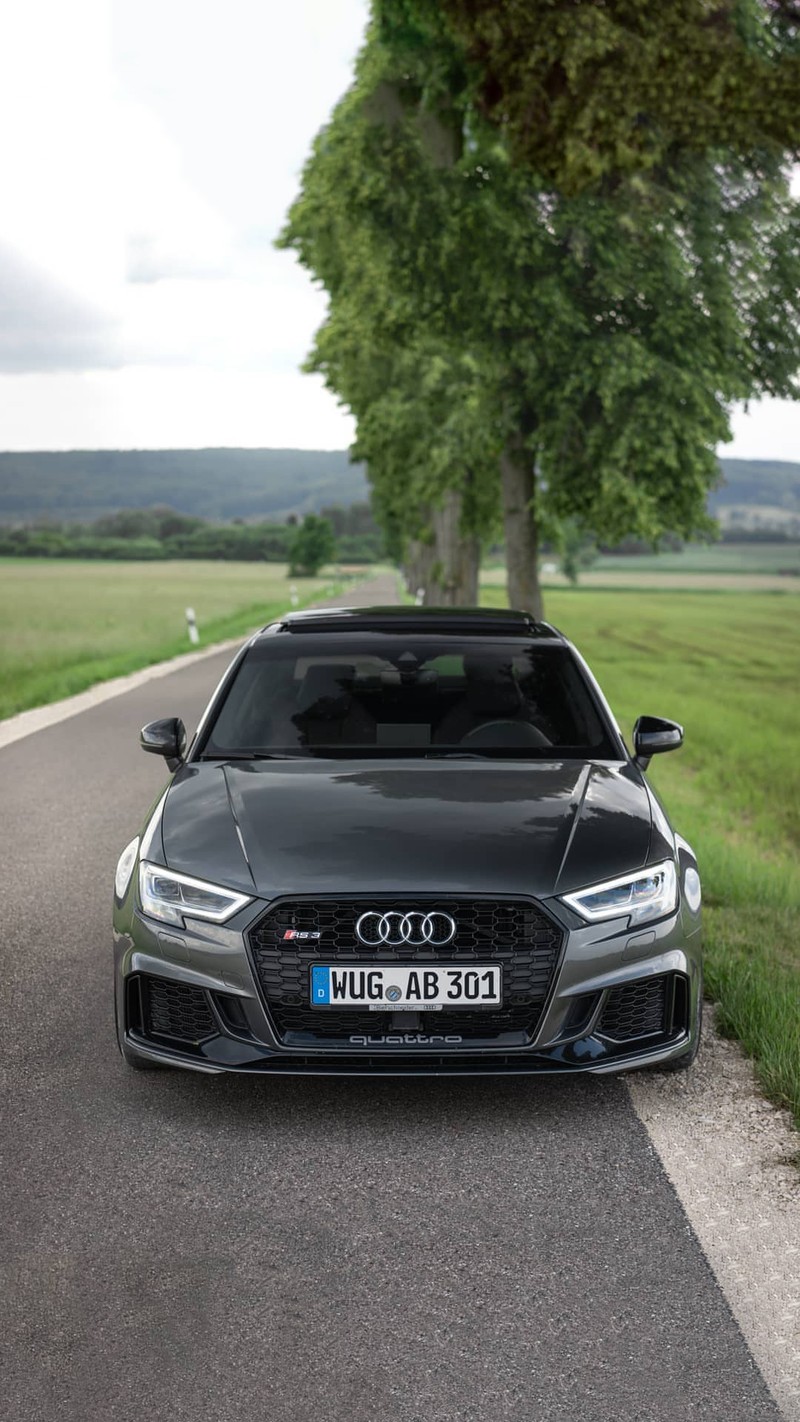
(408, 840)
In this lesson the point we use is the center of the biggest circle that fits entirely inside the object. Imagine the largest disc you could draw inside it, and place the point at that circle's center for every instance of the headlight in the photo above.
(171, 897)
(649, 893)
(122, 876)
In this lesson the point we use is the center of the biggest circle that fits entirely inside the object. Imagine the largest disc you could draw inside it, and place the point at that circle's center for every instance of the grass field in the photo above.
(727, 666)
(729, 567)
(65, 625)
(713, 558)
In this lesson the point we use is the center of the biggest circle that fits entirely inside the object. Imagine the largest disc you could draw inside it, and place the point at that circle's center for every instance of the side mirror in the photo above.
(652, 735)
(167, 738)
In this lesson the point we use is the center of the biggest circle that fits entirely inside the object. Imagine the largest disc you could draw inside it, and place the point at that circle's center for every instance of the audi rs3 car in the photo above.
(408, 840)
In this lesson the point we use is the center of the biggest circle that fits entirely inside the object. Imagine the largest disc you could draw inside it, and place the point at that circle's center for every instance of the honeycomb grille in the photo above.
(635, 1010)
(177, 1011)
(514, 933)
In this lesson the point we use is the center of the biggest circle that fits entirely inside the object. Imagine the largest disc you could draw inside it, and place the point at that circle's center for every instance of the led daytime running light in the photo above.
(647, 894)
(172, 897)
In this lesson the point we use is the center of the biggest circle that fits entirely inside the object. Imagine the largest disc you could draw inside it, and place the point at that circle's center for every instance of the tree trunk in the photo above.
(518, 481)
(454, 576)
(446, 567)
(417, 563)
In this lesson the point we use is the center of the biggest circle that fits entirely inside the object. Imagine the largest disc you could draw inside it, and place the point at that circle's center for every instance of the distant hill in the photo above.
(217, 484)
(774, 482)
(223, 484)
(758, 494)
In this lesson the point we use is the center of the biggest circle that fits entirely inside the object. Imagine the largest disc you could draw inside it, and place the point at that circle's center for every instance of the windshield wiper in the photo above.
(457, 755)
(251, 755)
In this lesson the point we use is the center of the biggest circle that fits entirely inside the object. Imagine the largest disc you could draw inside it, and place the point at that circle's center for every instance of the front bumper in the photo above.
(608, 980)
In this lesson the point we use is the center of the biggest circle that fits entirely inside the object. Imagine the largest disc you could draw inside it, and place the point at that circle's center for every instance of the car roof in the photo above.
(458, 621)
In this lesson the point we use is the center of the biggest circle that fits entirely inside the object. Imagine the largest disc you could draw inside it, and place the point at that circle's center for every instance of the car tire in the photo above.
(684, 1062)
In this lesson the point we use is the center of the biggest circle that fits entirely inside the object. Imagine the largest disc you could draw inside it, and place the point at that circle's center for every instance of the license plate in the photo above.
(399, 987)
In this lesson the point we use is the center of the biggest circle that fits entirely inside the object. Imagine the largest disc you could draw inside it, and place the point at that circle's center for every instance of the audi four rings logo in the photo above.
(410, 930)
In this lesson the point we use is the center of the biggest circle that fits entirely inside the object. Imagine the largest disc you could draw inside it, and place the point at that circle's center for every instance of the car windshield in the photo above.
(377, 695)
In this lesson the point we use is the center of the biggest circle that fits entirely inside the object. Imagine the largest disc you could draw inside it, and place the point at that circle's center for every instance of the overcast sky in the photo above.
(150, 151)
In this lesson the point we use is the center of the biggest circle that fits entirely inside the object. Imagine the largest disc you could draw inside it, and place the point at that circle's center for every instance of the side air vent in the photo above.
(177, 1012)
(635, 1010)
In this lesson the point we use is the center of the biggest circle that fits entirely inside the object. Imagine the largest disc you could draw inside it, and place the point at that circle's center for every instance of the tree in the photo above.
(589, 91)
(607, 334)
(312, 545)
(157, 522)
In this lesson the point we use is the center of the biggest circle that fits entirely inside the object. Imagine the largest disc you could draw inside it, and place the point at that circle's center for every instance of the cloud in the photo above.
(153, 152)
(764, 429)
(46, 327)
(151, 256)
(262, 317)
(172, 231)
(149, 407)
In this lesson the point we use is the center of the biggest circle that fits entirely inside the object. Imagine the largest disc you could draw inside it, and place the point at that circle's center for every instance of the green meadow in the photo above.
(745, 557)
(704, 567)
(65, 625)
(727, 666)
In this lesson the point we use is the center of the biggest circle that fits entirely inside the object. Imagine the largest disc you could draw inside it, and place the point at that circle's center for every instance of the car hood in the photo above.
(281, 827)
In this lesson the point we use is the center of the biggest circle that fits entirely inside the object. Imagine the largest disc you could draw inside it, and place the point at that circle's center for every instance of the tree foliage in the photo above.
(148, 534)
(588, 90)
(312, 545)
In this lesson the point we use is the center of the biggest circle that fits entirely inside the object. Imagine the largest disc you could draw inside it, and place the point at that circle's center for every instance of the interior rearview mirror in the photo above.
(652, 735)
(167, 738)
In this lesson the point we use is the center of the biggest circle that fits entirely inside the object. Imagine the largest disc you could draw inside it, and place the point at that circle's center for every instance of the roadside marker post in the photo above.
(191, 624)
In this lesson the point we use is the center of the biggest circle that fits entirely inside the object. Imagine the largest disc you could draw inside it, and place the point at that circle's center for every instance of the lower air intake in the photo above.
(176, 1011)
(636, 1010)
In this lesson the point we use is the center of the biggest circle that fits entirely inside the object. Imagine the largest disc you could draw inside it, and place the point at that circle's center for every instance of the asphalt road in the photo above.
(180, 1247)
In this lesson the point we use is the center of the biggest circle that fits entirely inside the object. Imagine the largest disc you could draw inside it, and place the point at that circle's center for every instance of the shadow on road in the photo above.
(373, 1106)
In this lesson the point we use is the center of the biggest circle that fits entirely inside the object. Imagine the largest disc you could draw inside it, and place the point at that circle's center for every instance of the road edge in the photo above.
(730, 1155)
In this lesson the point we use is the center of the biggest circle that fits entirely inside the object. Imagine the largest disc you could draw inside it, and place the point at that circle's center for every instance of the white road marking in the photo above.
(728, 1153)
